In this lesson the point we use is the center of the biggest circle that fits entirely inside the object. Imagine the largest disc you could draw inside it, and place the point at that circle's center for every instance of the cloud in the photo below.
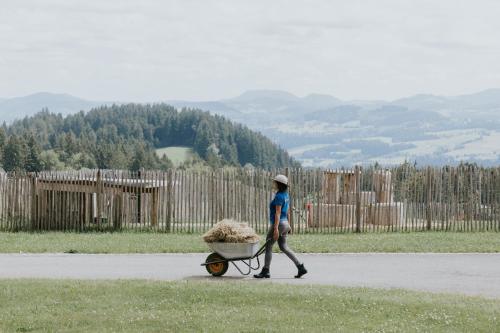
(325, 25)
(452, 45)
(194, 49)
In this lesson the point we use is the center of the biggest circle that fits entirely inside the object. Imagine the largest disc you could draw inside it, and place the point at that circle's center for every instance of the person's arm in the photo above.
(276, 233)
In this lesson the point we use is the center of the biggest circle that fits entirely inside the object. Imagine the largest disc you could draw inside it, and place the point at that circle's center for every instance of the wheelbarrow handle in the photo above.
(262, 248)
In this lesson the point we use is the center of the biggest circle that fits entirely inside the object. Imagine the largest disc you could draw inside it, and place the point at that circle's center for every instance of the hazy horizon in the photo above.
(242, 92)
(198, 50)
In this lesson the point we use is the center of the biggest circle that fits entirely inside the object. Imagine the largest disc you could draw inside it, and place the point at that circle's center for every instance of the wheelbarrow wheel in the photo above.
(219, 268)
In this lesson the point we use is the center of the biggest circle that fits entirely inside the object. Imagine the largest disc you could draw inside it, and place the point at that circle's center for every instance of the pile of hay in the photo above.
(230, 231)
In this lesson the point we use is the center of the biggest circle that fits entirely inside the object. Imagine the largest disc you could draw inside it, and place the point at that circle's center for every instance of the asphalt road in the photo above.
(471, 274)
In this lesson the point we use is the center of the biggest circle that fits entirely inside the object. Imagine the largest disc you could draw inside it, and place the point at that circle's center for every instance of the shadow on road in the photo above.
(215, 278)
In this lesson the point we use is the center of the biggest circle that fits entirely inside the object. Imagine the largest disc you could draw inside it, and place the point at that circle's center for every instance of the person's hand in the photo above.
(276, 234)
(290, 231)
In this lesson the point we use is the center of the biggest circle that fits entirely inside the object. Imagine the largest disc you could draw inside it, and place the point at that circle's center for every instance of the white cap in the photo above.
(281, 179)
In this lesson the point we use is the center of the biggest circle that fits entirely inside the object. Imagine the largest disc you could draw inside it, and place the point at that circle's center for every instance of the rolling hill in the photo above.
(325, 131)
(126, 137)
(322, 130)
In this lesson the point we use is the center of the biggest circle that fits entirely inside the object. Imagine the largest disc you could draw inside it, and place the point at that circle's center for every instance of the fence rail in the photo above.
(404, 198)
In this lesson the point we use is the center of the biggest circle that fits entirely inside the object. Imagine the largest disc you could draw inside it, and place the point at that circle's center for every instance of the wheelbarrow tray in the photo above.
(235, 250)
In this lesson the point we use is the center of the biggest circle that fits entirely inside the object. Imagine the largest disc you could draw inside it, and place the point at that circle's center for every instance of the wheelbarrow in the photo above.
(217, 263)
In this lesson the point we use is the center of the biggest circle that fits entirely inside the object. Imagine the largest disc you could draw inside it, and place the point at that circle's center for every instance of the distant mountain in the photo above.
(322, 130)
(320, 101)
(422, 102)
(487, 99)
(215, 107)
(261, 107)
(19, 107)
(280, 101)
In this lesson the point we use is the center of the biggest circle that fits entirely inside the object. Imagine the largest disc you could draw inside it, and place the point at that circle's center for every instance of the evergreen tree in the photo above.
(165, 163)
(33, 162)
(3, 139)
(108, 137)
(144, 158)
(229, 152)
(138, 159)
(14, 154)
(213, 157)
(50, 161)
(204, 138)
(82, 161)
(110, 156)
(118, 159)
(67, 145)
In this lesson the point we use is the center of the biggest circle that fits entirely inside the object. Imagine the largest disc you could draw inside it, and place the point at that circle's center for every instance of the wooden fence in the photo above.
(404, 198)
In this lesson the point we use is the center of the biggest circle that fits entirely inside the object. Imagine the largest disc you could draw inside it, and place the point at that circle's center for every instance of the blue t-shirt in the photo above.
(280, 199)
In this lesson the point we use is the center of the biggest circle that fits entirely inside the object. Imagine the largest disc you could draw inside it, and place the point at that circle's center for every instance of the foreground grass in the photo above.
(146, 306)
(148, 242)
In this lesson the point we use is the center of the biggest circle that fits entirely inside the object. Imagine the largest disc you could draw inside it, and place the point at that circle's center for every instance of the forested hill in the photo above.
(125, 137)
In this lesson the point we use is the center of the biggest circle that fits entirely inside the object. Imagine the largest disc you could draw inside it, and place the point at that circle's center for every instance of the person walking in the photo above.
(279, 227)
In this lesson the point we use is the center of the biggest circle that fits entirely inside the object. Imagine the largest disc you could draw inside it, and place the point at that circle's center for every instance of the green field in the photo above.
(149, 242)
(177, 155)
(195, 306)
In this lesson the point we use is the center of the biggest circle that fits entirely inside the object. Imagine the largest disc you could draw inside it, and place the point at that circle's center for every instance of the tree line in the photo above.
(126, 136)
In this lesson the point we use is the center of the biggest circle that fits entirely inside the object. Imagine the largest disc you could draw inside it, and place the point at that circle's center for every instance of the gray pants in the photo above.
(283, 229)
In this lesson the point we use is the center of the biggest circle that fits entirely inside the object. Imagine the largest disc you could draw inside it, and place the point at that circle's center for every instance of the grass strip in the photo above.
(195, 306)
(149, 242)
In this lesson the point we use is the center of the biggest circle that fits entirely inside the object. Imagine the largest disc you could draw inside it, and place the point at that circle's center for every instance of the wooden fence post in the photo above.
(34, 203)
(154, 207)
(169, 199)
(99, 197)
(290, 204)
(357, 177)
(429, 199)
(139, 197)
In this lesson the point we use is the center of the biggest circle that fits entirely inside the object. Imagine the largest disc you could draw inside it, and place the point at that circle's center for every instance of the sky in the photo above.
(151, 50)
